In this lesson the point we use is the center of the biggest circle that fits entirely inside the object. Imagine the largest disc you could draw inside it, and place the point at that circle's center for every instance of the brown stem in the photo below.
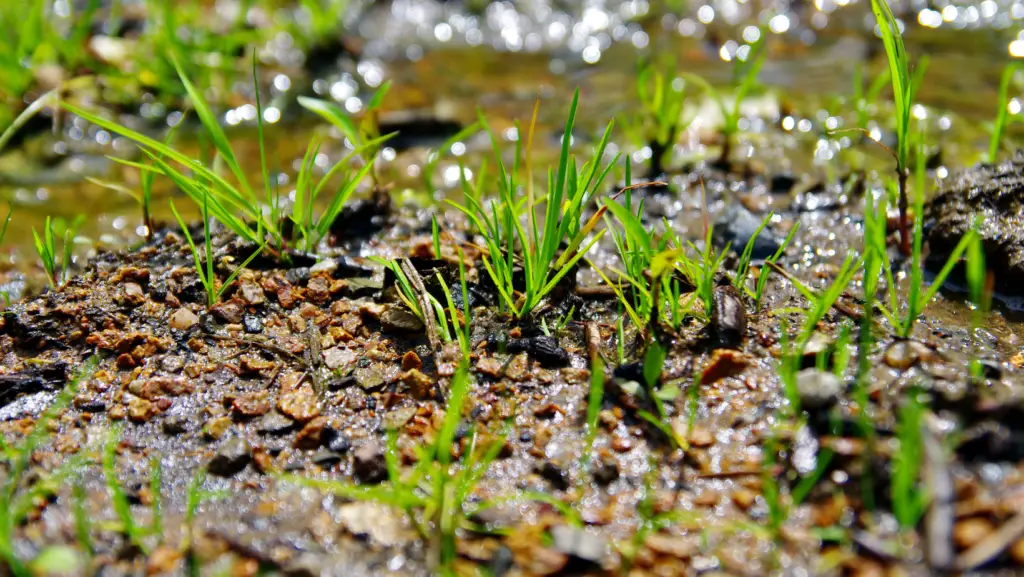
(904, 223)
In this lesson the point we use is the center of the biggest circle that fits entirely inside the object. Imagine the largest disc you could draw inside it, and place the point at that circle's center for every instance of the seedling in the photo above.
(745, 78)
(46, 247)
(569, 192)
(118, 498)
(234, 204)
(1002, 113)
(206, 274)
(903, 89)
(594, 400)
(909, 499)
(659, 121)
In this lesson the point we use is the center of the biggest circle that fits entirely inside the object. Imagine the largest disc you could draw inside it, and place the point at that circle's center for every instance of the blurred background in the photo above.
(824, 70)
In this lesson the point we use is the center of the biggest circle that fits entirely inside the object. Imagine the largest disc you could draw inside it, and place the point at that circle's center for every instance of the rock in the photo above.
(819, 390)
(300, 404)
(141, 410)
(182, 319)
(252, 324)
(818, 344)
(735, 227)
(364, 519)
(418, 383)
(724, 363)
(902, 354)
(728, 317)
(701, 437)
(251, 405)
(312, 435)
(678, 546)
(369, 377)
(164, 560)
(274, 423)
(578, 543)
(398, 318)
(326, 458)
(1017, 551)
(994, 192)
(251, 293)
(410, 361)
(337, 441)
(970, 531)
(229, 311)
(743, 498)
(368, 464)
(175, 425)
(232, 456)
(542, 348)
(339, 357)
(215, 428)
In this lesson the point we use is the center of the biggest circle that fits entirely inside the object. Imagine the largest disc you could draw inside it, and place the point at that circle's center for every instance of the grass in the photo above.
(207, 275)
(745, 79)
(234, 204)
(909, 498)
(569, 192)
(594, 400)
(659, 120)
(135, 534)
(20, 492)
(903, 88)
(1002, 112)
(435, 493)
(55, 264)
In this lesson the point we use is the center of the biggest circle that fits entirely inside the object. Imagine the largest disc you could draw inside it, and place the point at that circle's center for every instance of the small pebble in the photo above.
(368, 464)
(232, 456)
(818, 390)
(183, 319)
(701, 437)
(968, 532)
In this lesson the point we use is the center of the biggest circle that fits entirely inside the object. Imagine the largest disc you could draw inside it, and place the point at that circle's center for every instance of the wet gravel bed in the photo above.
(302, 369)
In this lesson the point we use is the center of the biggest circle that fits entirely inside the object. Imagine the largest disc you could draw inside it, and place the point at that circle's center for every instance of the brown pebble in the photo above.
(743, 498)
(701, 437)
(183, 319)
(418, 383)
(312, 435)
(707, 499)
(262, 460)
(1017, 551)
(411, 360)
(163, 560)
(902, 355)
(116, 413)
(251, 405)
(621, 444)
(724, 363)
(968, 532)
(299, 404)
(215, 428)
(141, 410)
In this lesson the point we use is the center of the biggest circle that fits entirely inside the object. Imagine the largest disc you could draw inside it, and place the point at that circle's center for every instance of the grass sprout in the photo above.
(206, 274)
(745, 79)
(118, 498)
(659, 121)
(1002, 112)
(56, 266)
(569, 192)
(909, 499)
(234, 204)
(594, 400)
(903, 89)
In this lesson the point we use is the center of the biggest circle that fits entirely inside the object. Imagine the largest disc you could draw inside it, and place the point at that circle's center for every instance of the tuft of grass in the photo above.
(46, 247)
(745, 79)
(20, 493)
(903, 88)
(659, 120)
(435, 493)
(569, 192)
(118, 498)
(594, 400)
(1002, 112)
(206, 274)
(234, 204)
(909, 497)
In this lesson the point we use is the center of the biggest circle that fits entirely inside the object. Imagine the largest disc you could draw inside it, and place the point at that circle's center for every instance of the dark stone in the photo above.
(554, 475)
(274, 423)
(728, 317)
(369, 464)
(326, 457)
(175, 425)
(606, 474)
(253, 324)
(995, 193)
(337, 441)
(232, 456)
(737, 225)
(542, 348)
(819, 390)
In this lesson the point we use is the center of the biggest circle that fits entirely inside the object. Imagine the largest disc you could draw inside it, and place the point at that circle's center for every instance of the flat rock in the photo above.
(995, 193)
(818, 389)
(232, 456)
